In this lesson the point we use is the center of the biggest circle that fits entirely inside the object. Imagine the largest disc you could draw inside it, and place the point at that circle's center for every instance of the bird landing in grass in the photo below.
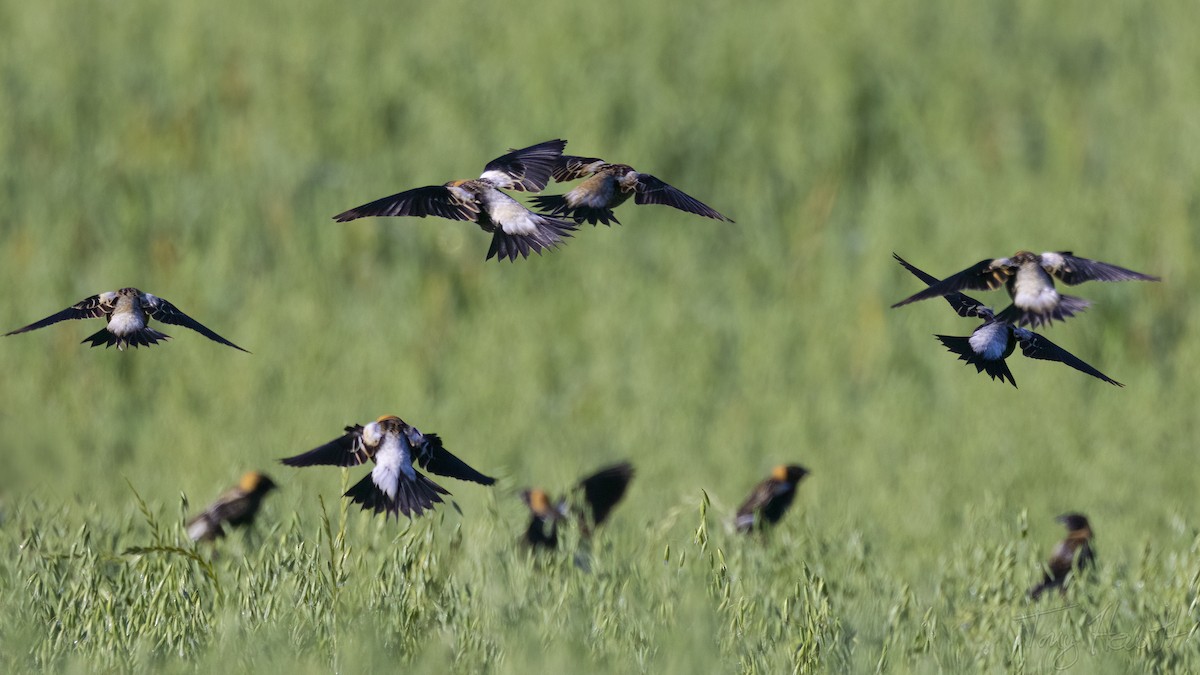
(128, 313)
(1075, 552)
(236, 506)
(394, 486)
(589, 504)
(770, 499)
(515, 229)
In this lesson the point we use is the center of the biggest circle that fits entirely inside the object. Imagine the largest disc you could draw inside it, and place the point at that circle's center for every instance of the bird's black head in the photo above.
(1074, 522)
(789, 473)
(254, 482)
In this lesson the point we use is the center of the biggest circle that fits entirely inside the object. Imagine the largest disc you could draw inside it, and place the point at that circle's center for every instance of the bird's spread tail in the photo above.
(549, 233)
(1036, 591)
(556, 205)
(413, 497)
(997, 370)
(143, 337)
(1068, 306)
(542, 532)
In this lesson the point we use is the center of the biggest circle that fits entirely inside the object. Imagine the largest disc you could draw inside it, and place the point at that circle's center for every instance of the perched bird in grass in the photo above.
(1029, 279)
(393, 486)
(770, 499)
(515, 229)
(591, 501)
(127, 311)
(994, 340)
(237, 506)
(607, 187)
(1075, 550)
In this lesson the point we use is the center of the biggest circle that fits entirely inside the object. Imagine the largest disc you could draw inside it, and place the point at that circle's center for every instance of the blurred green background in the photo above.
(198, 150)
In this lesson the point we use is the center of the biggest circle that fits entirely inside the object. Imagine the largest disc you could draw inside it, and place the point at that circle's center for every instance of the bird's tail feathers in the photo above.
(143, 337)
(549, 234)
(997, 370)
(1068, 306)
(413, 497)
(556, 205)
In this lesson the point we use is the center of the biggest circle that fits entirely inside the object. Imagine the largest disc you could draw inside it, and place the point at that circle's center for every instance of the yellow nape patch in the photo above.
(780, 473)
(250, 481)
(384, 418)
(539, 503)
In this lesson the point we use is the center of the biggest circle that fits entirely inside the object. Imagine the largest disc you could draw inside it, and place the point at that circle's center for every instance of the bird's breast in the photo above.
(595, 192)
(508, 214)
(126, 319)
(1033, 290)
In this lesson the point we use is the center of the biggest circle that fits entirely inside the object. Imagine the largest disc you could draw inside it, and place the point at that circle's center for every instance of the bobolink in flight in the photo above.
(515, 229)
(394, 486)
(995, 340)
(127, 312)
(607, 187)
(595, 497)
(1029, 279)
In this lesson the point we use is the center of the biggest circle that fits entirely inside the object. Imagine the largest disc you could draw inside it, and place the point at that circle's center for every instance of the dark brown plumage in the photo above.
(237, 506)
(596, 496)
(1074, 552)
(607, 186)
(770, 499)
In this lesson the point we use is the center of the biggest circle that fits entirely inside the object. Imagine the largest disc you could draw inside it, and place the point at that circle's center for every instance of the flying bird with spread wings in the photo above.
(128, 312)
(607, 186)
(1029, 279)
(993, 341)
(515, 229)
(590, 503)
(394, 486)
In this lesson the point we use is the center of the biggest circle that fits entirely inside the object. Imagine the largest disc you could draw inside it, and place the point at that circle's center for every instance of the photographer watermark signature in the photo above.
(1097, 633)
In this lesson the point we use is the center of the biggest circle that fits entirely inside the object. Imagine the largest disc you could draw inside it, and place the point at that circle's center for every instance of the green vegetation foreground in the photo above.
(200, 151)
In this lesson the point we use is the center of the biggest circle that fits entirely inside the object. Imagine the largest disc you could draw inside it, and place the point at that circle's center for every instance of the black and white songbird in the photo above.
(128, 313)
(515, 229)
(394, 486)
(1029, 279)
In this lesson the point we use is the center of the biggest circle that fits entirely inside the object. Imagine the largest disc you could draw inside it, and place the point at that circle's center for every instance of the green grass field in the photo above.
(197, 151)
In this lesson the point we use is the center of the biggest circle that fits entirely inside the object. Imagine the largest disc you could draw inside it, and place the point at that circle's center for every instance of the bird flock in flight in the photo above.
(394, 486)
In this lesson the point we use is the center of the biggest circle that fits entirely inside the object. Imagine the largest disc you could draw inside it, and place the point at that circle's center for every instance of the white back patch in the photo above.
(498, 178)
(511, 216)
(990, 341)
